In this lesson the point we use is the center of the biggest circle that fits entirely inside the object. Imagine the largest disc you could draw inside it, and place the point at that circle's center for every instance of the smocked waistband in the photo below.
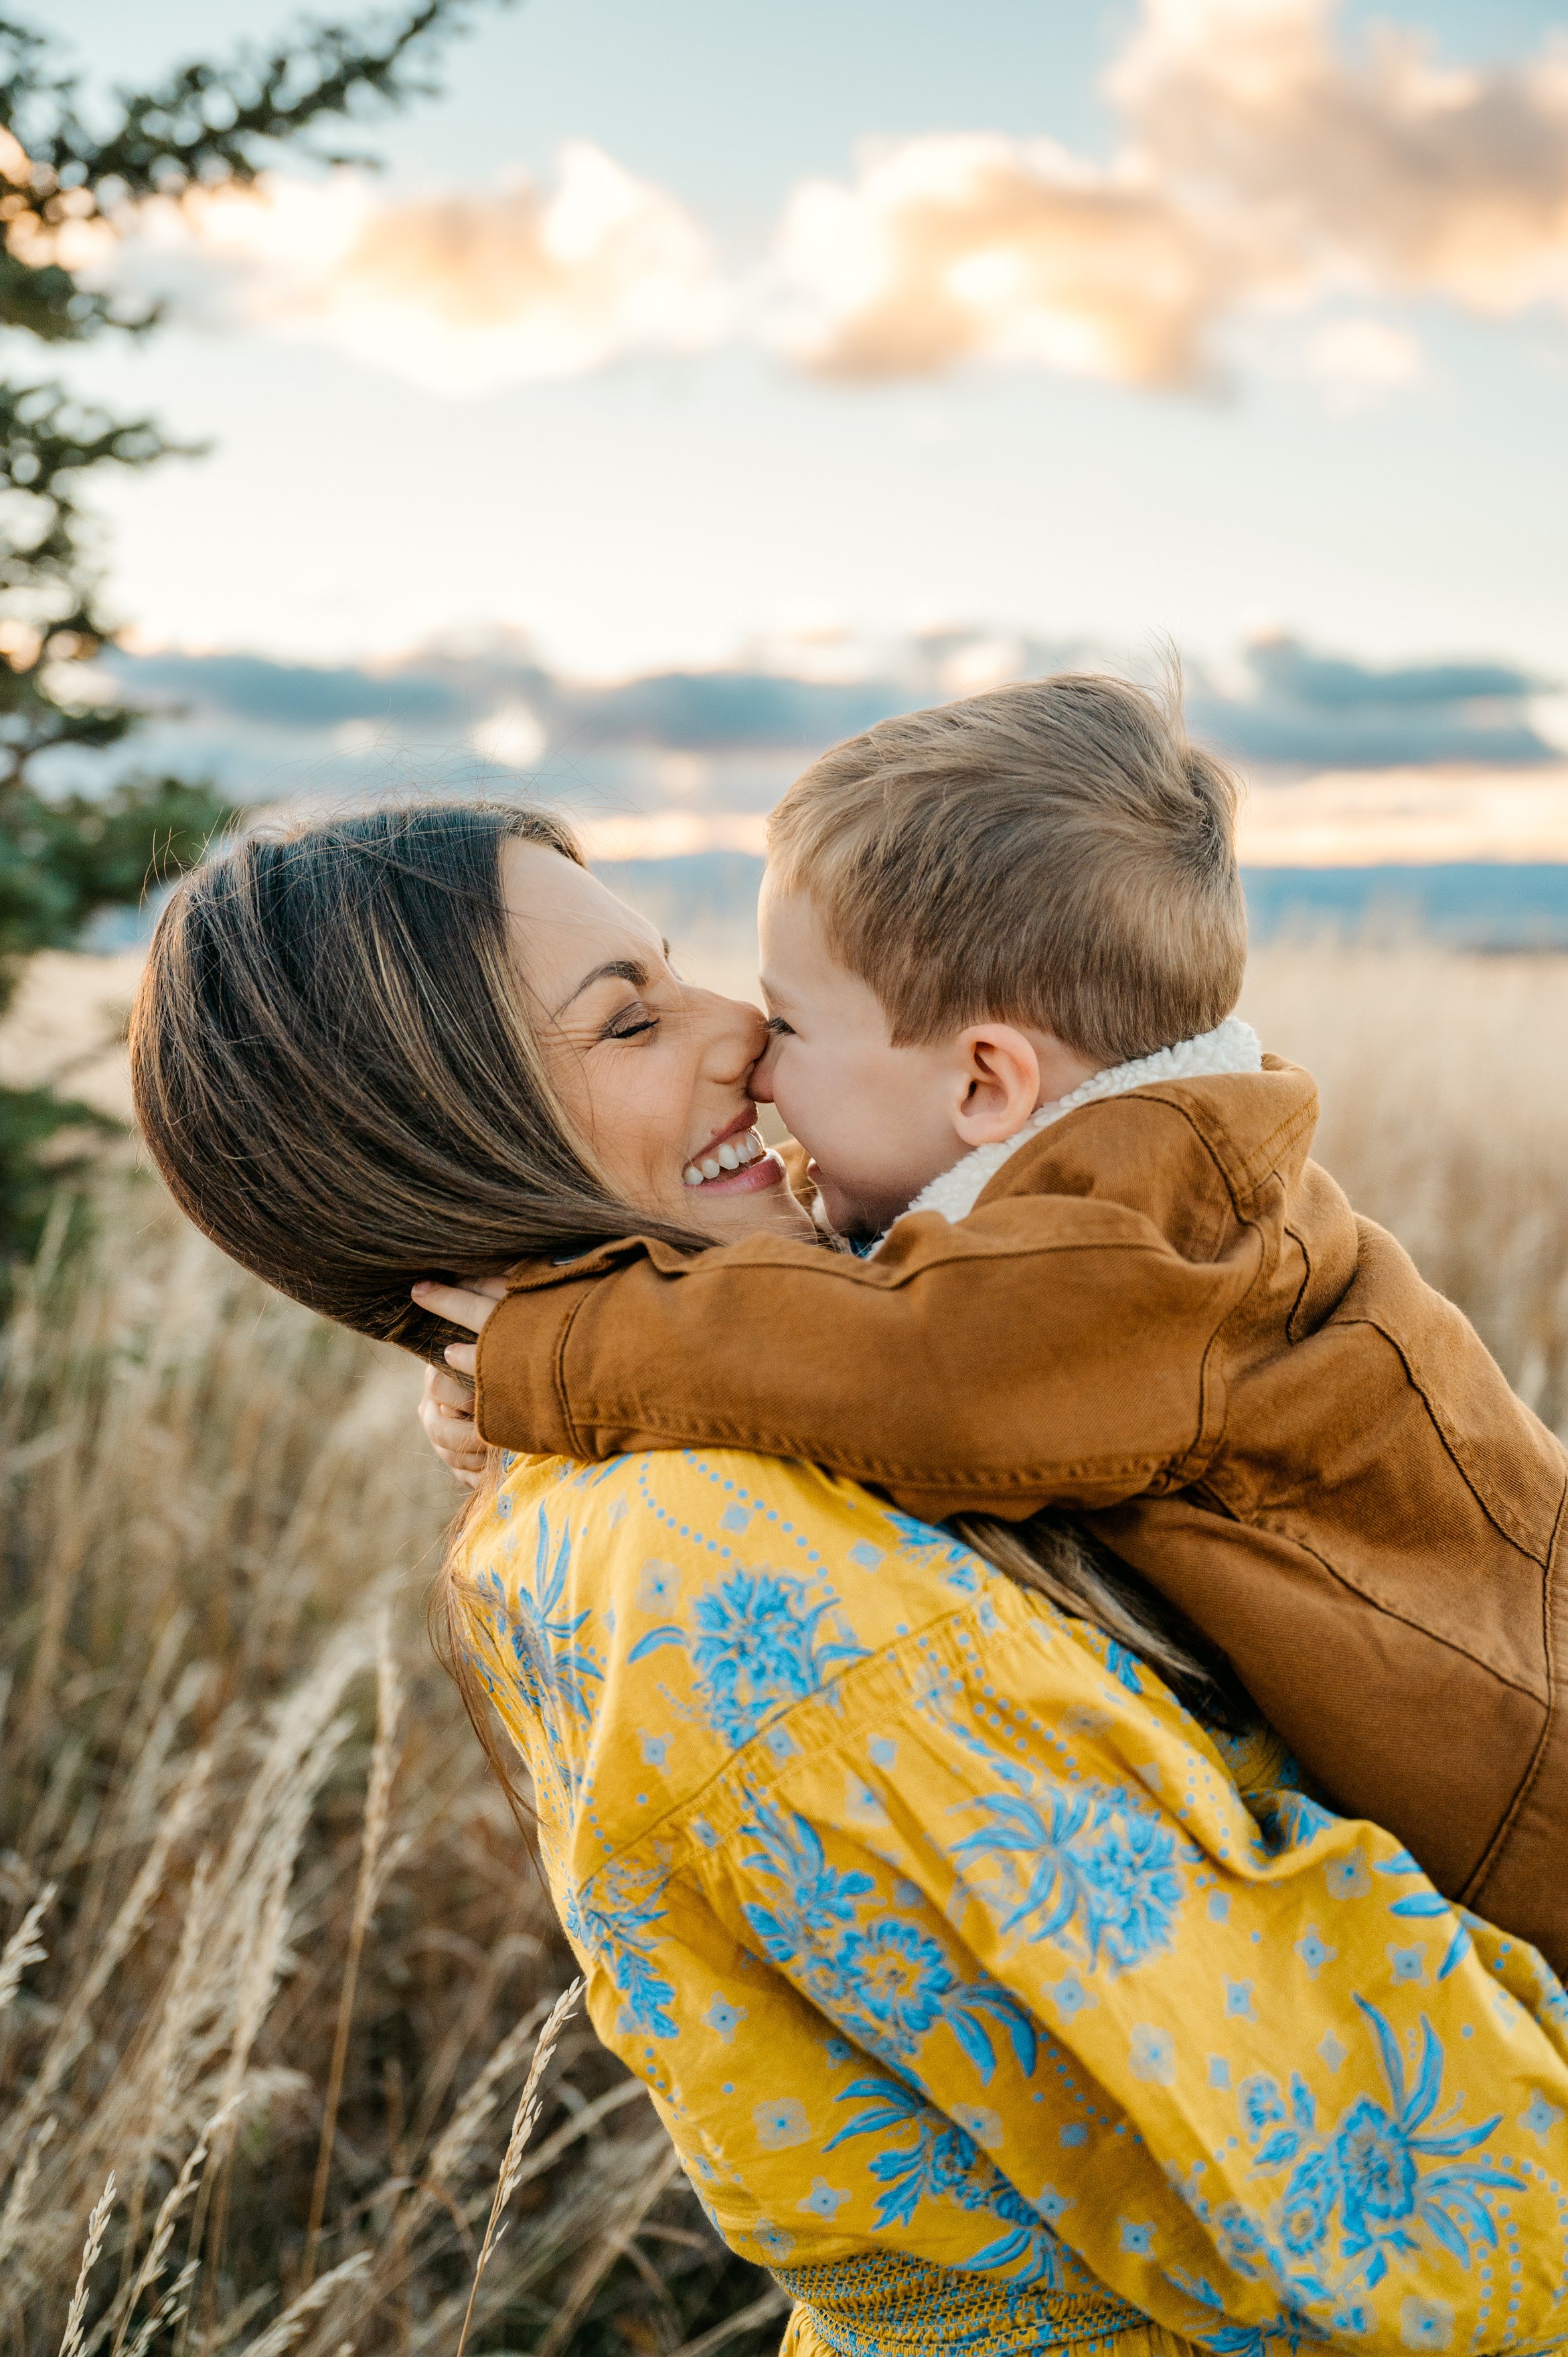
(888, 2304)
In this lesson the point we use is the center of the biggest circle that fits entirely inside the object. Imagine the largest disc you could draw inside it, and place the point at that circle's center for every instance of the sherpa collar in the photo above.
(1233, 1047)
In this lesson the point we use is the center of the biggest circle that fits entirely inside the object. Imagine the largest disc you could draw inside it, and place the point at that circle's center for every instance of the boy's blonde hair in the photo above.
(1055, 853)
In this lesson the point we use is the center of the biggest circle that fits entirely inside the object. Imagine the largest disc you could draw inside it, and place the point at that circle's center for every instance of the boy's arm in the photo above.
(1048, 1349)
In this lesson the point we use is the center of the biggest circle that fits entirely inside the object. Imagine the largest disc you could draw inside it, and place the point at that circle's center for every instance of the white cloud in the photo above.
(1261, 167)
(1264, 166)
(462, 291)
(1407, 817)
(958, 247)
(1383, 166)
(672, 835)
(1359, 362)
(512, 738)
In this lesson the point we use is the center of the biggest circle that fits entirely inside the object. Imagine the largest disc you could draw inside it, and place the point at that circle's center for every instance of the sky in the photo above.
(684, 333)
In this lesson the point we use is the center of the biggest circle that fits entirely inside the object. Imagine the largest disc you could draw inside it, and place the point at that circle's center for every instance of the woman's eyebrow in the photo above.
(622, 969)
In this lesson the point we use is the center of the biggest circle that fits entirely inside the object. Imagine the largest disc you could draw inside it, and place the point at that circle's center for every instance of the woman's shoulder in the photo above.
(657, 1614)
(643, 1532)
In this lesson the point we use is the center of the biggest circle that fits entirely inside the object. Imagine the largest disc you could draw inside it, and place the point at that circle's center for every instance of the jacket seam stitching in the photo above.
(1299, 1240)
(1531, 1776)
(842, 1269)
(1390, 1612)
(563, 1395)
(746, 1436)
(1494, 1514)
(1193, 1467)
(911, 1478)
(846, 1271)
(1264, 1156)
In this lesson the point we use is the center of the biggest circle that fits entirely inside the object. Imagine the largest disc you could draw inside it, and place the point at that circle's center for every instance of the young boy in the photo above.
(1001, 942)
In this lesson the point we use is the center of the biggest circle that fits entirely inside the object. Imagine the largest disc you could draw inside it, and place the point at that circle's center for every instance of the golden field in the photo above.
(249, 1852)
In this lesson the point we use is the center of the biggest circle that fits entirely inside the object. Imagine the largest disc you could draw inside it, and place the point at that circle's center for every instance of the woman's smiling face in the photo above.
(653, 1073)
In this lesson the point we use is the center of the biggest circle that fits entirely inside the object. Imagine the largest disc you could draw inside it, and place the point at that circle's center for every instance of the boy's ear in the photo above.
(999, 1083)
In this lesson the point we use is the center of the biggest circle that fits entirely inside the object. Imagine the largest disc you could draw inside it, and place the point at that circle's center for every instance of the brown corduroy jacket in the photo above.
(1162, 1314)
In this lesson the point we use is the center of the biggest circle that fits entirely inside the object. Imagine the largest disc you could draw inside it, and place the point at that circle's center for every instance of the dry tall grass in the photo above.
(254, 1882)
(1445, 1085)
(271, 1932)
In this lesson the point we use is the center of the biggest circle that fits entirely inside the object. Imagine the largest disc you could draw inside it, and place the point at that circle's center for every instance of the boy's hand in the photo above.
(447, 1402)
(446, 1413)
(462, 1305)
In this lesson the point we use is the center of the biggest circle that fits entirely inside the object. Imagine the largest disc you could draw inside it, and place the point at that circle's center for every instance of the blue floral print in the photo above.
(545, 1632)
(944, 2164)
(1125, 1667)
(619, 1926)
(1371, 2186)
(947, 1943)
(1428, 1905)
(1095, 1868)
(960, 1568)
(756, 1648)
(554, 1665)
(888, 1980)
(1284, 2333)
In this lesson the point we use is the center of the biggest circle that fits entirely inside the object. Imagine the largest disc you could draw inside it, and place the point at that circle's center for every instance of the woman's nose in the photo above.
(737, 1037)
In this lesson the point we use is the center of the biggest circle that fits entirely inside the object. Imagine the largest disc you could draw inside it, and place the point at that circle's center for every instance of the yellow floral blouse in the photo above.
(988, 1998)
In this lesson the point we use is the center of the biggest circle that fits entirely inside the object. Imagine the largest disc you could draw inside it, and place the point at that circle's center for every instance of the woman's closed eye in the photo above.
(630, 1021)
(779, 1028)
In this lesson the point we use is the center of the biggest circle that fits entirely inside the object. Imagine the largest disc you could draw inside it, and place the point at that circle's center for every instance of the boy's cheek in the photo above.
(832, 1112)
(804, 1108)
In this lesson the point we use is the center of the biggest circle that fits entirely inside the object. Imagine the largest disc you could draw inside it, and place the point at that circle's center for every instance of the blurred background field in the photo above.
(212, 1504)
(220, 1530)
(215, 1509)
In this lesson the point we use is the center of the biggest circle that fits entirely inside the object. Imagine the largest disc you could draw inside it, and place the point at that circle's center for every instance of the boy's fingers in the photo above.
(463, 1448)
(464, 1460)
(465, 1469)
(448, 1392)
(444, 1394)
(450, 1432)
(461, 1304)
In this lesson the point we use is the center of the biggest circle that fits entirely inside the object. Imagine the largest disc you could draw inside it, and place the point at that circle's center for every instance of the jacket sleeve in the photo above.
(1049, 1348)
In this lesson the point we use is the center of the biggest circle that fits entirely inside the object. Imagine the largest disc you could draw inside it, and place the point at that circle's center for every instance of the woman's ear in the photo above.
(999, 1082)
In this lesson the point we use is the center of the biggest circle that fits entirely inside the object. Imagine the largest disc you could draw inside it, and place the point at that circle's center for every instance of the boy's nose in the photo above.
(760, 1087)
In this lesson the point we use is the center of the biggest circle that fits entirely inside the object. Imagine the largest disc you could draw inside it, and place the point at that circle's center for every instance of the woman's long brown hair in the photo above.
(336, 1070)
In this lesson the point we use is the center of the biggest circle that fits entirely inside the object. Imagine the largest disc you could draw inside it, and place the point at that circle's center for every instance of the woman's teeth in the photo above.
(733, 1155)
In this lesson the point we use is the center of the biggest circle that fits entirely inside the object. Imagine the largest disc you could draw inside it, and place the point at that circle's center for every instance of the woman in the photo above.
(988, 1997)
